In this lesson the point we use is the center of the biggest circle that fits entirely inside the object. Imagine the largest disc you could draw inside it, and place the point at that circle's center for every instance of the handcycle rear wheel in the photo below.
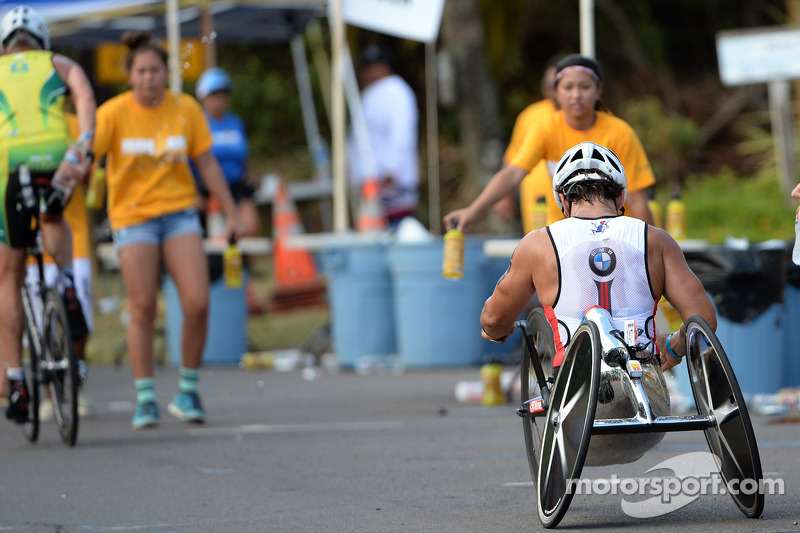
(717, 393)
(59, 367)
(568, 426)
(544, 346)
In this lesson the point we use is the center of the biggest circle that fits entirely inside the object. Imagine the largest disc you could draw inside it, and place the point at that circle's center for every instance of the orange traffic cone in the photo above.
(371, 215)
(297, 283)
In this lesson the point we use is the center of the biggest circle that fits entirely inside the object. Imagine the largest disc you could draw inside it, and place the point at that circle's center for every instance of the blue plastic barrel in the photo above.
(360, 299)
(756, 350)
(226, 339)
(791, 340)
(438, 319)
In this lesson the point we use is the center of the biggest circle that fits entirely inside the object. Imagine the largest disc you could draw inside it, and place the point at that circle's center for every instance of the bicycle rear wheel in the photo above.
(30, 362)
(59, 367)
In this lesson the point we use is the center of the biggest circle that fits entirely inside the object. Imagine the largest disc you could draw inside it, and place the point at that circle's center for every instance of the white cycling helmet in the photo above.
(588, 156)
(24, 18)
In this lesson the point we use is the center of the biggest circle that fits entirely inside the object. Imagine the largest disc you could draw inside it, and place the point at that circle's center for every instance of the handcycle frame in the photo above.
(568, 405)
(51, 360)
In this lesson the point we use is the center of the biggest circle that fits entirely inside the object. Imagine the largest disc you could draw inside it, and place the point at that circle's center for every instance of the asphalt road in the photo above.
(343, 453)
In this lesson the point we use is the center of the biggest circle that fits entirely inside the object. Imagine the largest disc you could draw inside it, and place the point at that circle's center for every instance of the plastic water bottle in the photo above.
(492, 390)
(63, 187)
(28, 199)
(655, 208)
(232, 265)
(96, 192)
(676, 217)
(539, 213)
(453, 256)
(796, 250)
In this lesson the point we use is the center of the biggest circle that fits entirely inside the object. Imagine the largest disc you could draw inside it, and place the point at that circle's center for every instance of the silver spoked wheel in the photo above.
(60, 367)
(717, 393)
(568, 426)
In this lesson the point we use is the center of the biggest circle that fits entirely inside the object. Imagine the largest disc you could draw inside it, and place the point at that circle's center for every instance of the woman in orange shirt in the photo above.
(582, 118)
(148, 136)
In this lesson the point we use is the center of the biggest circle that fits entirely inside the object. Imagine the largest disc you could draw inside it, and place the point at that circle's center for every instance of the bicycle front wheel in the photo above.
(59, 366)
(30, 362)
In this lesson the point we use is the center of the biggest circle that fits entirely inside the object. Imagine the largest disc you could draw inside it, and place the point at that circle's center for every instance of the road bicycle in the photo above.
(49, 359)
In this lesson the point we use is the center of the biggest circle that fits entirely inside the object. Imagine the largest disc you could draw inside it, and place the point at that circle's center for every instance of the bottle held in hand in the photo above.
(232, 265)
(453, 257)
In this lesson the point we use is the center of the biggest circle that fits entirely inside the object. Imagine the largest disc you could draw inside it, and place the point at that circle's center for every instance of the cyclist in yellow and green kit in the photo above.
(34, 86)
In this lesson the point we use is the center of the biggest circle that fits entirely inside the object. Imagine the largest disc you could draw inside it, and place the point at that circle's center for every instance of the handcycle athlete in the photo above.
(34, 85)
(597, 257)
(599, 277)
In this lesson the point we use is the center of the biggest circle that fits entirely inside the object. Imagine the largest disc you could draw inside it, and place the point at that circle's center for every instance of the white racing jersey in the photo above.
(602, 262)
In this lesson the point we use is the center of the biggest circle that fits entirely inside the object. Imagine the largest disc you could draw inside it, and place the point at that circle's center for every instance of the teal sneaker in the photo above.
(146, 415)
(186, 406)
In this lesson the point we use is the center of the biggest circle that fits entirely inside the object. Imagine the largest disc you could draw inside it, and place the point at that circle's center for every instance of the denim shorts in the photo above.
(159, 229)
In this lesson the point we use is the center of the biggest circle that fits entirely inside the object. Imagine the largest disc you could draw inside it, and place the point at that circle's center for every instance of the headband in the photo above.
(577, 68)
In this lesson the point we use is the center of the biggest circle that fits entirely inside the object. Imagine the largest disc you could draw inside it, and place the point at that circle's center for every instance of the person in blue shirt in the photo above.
(230, 147)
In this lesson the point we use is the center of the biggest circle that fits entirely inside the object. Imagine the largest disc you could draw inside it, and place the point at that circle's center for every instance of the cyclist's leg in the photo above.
(11, 326)
(12, 276)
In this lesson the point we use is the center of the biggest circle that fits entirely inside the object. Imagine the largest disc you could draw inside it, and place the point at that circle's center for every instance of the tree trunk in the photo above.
(477, 105)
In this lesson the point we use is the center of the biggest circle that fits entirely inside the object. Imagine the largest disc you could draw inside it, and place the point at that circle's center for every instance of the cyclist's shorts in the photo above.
(16, 228)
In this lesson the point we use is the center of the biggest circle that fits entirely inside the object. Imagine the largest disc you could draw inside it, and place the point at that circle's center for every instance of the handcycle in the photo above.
(609, 405)
(50, 359)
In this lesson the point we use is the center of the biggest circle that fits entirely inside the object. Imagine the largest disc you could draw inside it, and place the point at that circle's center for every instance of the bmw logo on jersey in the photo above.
(602, 261)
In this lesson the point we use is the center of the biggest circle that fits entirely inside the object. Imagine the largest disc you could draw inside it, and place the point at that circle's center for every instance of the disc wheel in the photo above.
(731, 440)
(568, 426)
(544, 345)
(60, 367)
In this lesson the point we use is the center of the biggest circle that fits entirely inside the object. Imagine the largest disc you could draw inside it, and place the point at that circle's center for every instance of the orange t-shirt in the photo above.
(147, 153)
(552, 137)
(539, 179)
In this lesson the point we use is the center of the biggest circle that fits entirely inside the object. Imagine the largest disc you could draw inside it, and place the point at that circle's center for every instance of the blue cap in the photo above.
(212, 80)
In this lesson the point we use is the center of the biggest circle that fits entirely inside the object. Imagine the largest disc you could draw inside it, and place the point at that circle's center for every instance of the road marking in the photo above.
(294, 428)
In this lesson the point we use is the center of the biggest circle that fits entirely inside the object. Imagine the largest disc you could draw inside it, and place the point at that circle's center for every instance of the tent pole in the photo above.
(174, 44)
(338, 118)
(207, 37)
(434, 207)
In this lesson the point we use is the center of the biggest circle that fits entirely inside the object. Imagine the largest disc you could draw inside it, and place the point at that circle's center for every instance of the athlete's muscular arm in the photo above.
(80, 90)
(515, 288)
(671, 274)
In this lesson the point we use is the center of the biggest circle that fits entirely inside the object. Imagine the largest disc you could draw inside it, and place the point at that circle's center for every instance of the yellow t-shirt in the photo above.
(33, 126)
(552, 137)
(147, 155)
(539, 179)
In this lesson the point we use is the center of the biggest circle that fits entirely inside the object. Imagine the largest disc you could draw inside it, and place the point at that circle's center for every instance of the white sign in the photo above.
(759, 55)
(410, 19)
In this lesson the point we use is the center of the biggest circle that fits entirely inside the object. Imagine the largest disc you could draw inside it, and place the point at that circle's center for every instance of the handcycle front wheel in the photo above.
(59, 366)
(568, 426)
(717, 394)
(545, 350)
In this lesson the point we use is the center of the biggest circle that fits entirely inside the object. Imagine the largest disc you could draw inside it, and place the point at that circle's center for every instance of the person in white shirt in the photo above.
(391, 115)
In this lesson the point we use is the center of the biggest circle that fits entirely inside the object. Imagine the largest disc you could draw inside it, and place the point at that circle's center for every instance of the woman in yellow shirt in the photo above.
(148, 136)
(581, 118)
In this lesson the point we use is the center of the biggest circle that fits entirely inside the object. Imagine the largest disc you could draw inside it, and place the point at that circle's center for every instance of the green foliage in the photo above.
(727, 204)
(667, 137)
